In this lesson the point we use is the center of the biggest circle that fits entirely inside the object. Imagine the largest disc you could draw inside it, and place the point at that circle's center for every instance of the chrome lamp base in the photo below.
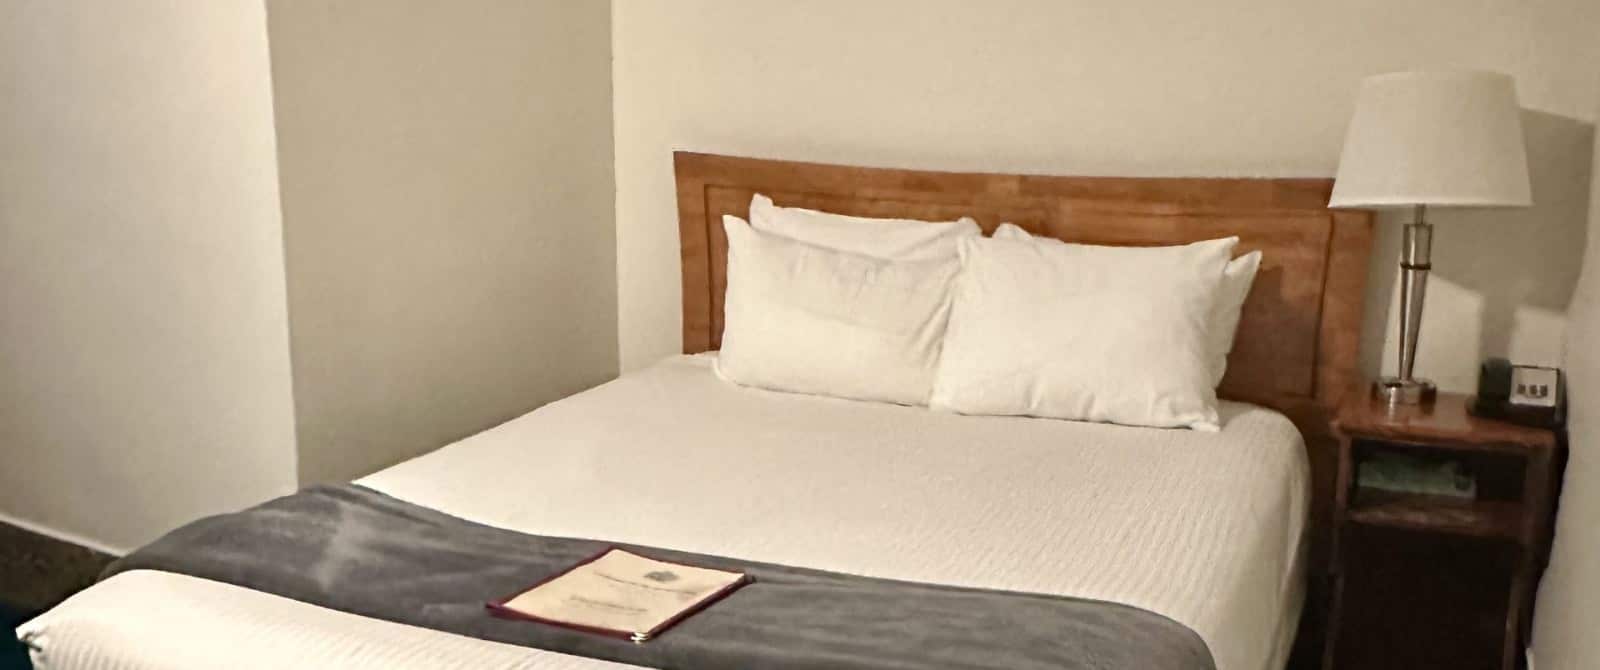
(1415, 252)
(1397, 391)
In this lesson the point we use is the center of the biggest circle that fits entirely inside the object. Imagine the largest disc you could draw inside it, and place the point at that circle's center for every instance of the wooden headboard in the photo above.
(1297, 339)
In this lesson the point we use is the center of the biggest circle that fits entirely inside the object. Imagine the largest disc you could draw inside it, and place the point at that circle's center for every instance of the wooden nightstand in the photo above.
(1438, 581)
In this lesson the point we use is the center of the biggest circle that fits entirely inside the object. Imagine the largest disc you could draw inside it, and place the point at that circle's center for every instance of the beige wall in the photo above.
(144, 362)
(447, 194)
(1142, 87)
(1569, 599)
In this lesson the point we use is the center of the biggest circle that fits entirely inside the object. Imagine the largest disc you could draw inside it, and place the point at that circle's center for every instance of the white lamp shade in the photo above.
(1434, 138)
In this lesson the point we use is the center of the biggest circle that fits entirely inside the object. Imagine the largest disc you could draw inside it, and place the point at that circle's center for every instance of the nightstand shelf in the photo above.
(1434, 580)
(1442, 514)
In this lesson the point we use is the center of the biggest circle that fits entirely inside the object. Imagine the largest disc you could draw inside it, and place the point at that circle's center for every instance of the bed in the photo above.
(1216, 531)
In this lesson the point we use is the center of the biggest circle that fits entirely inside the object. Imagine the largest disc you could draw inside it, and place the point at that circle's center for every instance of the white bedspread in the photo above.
(1205, 528)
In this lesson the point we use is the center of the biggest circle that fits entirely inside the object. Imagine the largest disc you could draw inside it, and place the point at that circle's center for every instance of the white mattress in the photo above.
(1204, 528)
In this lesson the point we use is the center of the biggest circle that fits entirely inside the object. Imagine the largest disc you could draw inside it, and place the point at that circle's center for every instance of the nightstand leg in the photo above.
(1344, 481)
(1538, 479)
(1335, 616)
(1513, 633)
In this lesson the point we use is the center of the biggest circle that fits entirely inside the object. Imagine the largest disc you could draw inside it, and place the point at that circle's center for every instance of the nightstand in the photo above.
(1431, 580)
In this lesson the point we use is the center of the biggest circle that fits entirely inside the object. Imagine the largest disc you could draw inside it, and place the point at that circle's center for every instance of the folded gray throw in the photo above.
(349, 548)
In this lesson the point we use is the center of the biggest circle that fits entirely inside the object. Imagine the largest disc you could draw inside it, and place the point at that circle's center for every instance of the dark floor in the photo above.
(36, 572)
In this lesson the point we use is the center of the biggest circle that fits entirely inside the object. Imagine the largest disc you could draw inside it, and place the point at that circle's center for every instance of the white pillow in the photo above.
(1237, 277)
(807, 319)
(1071, 331)
(902, 239)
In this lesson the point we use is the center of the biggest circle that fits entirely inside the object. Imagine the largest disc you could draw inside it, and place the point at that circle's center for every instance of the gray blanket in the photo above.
(349, 548)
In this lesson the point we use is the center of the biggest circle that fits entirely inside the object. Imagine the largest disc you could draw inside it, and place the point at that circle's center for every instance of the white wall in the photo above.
(144, 362)
(1569, 598)
(1140, 87)
(448, 204)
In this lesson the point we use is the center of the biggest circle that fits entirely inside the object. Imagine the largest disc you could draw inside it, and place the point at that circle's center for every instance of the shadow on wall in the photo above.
(1502, 278)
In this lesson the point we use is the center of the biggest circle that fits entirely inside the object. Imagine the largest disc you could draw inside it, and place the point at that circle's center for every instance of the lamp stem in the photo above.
(1415, 256)
(1415, 262)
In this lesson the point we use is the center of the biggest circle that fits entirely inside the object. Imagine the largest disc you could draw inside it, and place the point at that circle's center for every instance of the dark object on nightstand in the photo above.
(1522, 394)
(1429, 581)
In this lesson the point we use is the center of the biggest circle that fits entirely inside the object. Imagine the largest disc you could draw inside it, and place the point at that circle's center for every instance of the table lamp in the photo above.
(1421, 139)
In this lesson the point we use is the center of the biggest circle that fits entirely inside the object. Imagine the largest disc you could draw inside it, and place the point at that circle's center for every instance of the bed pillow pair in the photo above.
(841, 306)
(830, 305)
(1124, 335)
